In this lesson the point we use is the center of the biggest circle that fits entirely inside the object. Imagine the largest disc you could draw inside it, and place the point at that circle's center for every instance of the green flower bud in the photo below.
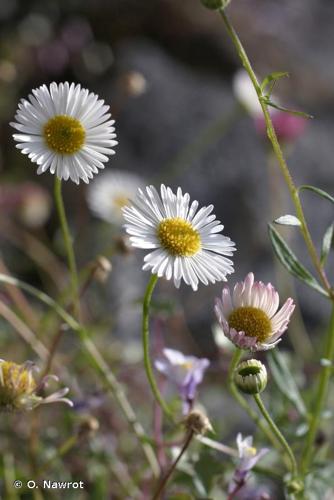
(294, 486)
(251, 376)
(215, 4)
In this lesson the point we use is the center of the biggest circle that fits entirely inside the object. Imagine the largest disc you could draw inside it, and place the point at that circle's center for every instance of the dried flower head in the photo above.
(19, 391)
(197, 422)
(250, 318)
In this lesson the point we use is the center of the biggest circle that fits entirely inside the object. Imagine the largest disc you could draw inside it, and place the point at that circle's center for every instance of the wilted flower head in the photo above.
(65, 129)
(250, 317)
(186, 242)
(186, 372)
(19, 391)
(248, 458)
(111, 192)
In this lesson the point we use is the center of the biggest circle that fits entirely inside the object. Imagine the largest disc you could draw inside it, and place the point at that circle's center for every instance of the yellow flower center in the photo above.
(64, 134)
(178, 237)
(251, 320)
(187, 365)
(15, 381)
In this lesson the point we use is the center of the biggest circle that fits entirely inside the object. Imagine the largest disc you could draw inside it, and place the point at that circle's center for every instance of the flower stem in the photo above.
(98, 363)
(279, 154)
(243, 402)
(278, 434)
(68, 245)
(146, 344)
(322, 391)
(165, 479)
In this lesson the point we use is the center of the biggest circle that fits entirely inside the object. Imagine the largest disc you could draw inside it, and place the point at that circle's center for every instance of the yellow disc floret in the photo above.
(64, 134)
(16, 383)
(251, 320)
(179, 237)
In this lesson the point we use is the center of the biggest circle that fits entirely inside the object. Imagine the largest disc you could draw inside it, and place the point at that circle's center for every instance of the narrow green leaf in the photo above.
(318, 191)
(326, 244)
(287, 110)
(285, 380)
(272, 79)
(289, 260)
(288, 220)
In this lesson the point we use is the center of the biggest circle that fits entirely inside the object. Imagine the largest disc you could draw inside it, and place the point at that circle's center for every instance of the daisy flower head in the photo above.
(249, 316)
(111, 192)
(186, 242)
(65, 129)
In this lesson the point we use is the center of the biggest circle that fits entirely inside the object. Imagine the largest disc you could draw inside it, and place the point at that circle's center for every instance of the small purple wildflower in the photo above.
(186, 372)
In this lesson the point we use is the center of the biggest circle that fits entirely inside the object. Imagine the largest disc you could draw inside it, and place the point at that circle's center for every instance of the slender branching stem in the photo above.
(322, 391)
(278, 434)
(162, 485)
(279, 154)
(146, 345)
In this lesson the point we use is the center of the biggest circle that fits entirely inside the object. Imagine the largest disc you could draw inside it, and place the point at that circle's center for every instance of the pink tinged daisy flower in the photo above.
(186, 242)
(186, 372)
(65, 129)
(250, 317)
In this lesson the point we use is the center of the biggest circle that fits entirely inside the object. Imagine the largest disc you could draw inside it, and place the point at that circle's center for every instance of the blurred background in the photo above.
(166, 68)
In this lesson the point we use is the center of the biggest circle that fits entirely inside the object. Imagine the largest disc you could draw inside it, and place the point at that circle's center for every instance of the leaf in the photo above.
(289, 260)
(285, 381)
(326, 243)
(271, 79)
(318, 191)
(288, 220)
(287, 110)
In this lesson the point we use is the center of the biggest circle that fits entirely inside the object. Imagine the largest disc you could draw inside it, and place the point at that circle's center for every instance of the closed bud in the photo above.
(89, 426)
(197, 422)
(215, 4)
(251, 376)
(294, 486)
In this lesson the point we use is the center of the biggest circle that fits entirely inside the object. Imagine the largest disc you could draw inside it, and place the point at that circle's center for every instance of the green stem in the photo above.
(278, 434)
(279, 154)
(146, 344)
(322, 391)
(99, 364)
(243, 402)
(165, 479)
(68, 245)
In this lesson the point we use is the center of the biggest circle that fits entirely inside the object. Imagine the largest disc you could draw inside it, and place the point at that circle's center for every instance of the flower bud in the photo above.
(215, 4)
(89, 425)
(294, 486)
(197, 422)
(251, 376)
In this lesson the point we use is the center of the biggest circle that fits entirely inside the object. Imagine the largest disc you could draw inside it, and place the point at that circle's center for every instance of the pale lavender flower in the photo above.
(248, 458)
(186, 372)
(250, 317)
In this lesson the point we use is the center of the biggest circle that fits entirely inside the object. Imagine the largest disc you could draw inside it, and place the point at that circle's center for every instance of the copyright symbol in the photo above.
(17, 484)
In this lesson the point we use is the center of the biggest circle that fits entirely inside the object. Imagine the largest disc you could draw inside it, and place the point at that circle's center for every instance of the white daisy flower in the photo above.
(185, 241)
(65, 129)
(111, 192)
(250, 317)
